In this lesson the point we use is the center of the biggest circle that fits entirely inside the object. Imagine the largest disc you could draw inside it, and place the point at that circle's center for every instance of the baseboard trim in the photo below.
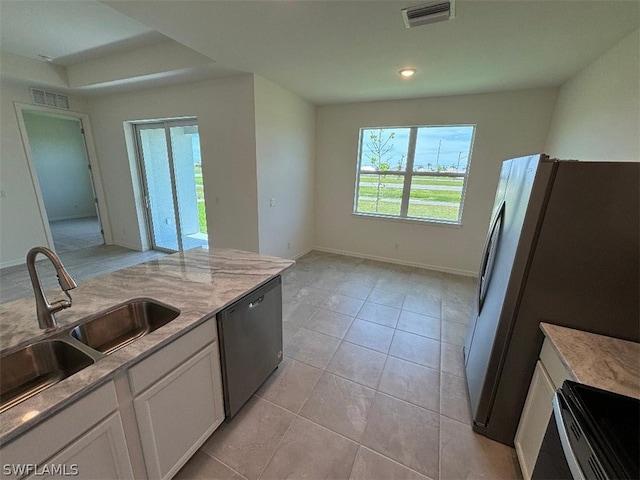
(137, 248)
(13, 263)
(72, 217)
(301, 254)
(396, 261)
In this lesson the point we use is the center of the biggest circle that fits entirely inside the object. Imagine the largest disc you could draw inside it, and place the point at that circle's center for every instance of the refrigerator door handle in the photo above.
(488, 257)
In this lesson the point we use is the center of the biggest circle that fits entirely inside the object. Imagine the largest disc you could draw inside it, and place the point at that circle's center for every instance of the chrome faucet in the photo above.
(44, 309)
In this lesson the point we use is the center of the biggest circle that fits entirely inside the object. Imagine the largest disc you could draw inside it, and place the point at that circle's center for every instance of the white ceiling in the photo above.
(336, 51)
(61, 29)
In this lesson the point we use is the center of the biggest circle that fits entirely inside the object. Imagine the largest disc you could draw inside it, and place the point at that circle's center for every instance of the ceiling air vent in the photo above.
(431, 12)
(50, 99)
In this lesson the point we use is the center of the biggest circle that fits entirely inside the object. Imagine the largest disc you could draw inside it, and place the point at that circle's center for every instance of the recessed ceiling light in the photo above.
(45, 58)
(407, 72)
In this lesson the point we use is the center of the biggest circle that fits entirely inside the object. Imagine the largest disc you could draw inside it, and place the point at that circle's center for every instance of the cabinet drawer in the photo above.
(47, 438)
(169, 357)
(554, 366)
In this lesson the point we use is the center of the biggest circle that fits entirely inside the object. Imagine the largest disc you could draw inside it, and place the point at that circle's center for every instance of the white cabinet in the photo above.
(179, 411)
(548, 376)
(534, 419)
(171, 402)
(87, 436)
(101, 453)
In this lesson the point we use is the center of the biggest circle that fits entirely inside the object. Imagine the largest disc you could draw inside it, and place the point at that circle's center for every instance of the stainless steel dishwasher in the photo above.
(250, 335)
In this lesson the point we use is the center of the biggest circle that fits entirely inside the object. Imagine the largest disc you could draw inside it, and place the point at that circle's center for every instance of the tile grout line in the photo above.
(378, 351)
(217, 460)
(376, 390)
(275, 450)
(297, 415)
(358, 443)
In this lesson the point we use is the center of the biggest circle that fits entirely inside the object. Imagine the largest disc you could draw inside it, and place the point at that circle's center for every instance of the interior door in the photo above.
(169, 156)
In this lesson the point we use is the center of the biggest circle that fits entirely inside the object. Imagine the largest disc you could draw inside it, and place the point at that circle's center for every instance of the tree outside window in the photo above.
(416, 172)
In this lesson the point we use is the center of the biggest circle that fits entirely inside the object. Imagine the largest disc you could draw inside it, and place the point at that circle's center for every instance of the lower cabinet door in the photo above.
(533, 422)
(177, 414)
(101, 453)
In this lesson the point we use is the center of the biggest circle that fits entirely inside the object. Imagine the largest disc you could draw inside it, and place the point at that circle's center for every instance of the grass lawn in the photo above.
(432, 195)
(202, 216)
(391, 196)
(435, 212)
(390, 190)
(417, 180)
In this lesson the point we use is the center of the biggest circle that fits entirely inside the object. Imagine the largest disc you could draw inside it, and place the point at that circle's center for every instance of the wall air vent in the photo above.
(437, 11)
(50, 99)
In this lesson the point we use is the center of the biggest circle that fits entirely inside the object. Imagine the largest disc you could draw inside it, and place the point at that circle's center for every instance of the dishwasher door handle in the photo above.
(257, 302)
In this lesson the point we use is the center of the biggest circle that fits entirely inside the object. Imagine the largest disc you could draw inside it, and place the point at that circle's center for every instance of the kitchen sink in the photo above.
(39, 365)
(124, 323)
(34, 368)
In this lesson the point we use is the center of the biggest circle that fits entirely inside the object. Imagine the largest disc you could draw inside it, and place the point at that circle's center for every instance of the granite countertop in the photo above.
(198, 282)
(596, 360)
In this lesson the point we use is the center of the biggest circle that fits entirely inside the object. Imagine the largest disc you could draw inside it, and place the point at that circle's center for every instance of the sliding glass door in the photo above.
(169, 154)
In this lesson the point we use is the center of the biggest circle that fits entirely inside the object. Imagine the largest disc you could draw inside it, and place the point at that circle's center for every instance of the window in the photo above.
(413, 172)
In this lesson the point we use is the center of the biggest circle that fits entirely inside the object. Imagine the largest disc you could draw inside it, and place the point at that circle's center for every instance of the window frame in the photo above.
(408, 175)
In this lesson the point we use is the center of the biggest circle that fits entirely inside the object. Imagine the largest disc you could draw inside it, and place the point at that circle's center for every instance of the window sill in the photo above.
(429, 222)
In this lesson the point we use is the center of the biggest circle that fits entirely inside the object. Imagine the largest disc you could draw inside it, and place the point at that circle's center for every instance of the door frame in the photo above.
(94, 172)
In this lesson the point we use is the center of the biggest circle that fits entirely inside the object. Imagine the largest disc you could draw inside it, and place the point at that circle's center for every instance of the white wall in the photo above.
(25, 70)
(285, 132)
(597, 116)
(225, 112)
(509, 124)
(60, 158)
(156, 60)
(246, 123)
(21, 225)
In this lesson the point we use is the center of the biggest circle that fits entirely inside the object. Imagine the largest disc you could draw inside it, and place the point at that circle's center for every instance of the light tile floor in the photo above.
(371, 386)
(81, 264)
(76, 234)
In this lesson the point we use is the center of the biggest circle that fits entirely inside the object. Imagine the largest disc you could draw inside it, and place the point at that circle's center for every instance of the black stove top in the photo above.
(612, 424)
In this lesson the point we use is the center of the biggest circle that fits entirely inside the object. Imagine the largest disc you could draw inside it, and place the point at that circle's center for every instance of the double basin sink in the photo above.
(39, 365)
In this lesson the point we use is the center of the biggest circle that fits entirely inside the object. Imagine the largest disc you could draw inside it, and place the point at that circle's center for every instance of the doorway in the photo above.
(60, 159)
(171, 172)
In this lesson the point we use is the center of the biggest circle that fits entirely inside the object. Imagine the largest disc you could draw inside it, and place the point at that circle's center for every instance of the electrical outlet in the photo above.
(272, 202)
(396, 247)
(288, 245)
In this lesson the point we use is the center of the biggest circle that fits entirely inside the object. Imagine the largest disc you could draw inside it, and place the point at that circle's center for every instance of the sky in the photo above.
(447, 146)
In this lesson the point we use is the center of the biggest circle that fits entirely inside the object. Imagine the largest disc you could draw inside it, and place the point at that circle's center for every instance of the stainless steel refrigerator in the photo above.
(563, 248)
